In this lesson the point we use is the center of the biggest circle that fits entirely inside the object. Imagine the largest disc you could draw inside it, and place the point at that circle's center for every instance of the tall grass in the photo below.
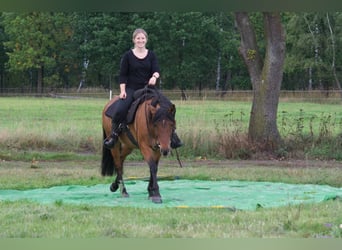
(208, 128)
(51, 124)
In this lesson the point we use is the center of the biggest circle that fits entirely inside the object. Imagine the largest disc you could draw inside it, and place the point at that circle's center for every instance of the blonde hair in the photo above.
(138, 31)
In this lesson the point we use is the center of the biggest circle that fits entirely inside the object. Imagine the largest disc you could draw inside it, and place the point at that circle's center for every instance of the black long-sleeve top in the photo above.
(136, 72)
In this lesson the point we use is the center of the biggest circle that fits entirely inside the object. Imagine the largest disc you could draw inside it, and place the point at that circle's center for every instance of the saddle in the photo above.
(141, 95)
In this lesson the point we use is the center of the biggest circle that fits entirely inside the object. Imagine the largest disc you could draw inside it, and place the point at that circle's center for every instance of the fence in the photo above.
(236, 95)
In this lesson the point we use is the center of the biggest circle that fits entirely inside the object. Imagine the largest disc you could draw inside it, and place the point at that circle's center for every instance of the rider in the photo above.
(138, 67)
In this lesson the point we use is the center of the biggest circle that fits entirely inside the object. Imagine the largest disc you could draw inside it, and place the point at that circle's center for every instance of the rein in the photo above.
(155, 147)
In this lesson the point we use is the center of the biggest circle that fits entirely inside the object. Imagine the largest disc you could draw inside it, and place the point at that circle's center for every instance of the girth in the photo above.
(125, 129)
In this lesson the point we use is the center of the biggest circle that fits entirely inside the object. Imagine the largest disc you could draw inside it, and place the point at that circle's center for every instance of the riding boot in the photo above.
(175, 141)
(112, 140)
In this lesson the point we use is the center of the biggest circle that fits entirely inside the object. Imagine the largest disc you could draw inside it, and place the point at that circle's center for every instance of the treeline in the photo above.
(40, 51)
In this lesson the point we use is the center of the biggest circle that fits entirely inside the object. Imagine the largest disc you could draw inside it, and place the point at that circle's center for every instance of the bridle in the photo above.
(155, 146)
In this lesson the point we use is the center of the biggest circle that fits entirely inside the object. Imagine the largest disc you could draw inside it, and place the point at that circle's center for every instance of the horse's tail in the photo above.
(107, 163)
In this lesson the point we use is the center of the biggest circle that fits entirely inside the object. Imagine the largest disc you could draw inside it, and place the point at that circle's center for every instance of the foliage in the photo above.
(36, 40)
(196, 50)
(310, 50)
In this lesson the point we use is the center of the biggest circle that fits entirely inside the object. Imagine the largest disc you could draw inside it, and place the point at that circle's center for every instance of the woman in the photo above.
(139, 67)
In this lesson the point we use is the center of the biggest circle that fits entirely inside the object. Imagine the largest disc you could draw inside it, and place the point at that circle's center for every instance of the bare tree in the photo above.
(333, 66)
(266, 76)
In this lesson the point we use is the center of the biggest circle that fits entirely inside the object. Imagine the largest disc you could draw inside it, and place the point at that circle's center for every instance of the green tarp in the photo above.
(183, 194)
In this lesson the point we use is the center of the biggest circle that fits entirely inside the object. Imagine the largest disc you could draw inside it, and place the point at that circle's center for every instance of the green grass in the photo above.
(60, 220)
(65, 221)
(74, 125)
(68, 125)
(47, 142)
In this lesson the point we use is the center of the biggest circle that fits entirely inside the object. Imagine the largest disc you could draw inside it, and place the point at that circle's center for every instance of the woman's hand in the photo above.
(123, 95)
(152, 81)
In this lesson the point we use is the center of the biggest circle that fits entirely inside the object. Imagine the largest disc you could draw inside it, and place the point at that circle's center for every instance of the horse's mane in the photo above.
(165, 112)
(166, 109)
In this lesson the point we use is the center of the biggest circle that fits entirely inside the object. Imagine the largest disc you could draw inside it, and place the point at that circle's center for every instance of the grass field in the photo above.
(47, 142)
(74, 125)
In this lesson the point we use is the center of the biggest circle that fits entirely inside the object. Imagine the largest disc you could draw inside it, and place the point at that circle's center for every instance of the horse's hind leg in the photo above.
(118, 183)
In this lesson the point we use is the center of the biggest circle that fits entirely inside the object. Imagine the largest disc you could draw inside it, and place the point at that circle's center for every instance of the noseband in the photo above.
(162, 115)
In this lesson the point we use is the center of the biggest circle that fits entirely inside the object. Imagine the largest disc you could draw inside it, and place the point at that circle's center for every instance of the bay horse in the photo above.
(150, 132)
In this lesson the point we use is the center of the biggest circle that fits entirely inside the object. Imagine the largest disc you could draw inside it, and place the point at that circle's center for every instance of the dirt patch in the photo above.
(255, 163)
(24, 175)
(91, 164)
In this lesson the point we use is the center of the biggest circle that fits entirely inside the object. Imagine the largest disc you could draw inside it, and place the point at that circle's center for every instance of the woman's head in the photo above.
(139, 31)
(139, 37)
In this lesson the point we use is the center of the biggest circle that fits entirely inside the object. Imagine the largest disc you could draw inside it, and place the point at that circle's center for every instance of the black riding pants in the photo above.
(122, 106)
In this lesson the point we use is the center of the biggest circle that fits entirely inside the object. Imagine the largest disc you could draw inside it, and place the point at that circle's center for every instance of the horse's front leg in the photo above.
(153, 187)
(152, 159)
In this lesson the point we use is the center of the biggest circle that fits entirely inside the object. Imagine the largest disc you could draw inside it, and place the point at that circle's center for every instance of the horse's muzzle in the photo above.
(165, 151)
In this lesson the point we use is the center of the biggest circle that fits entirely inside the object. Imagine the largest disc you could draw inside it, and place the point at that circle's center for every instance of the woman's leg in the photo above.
(175, 141)
(121, 108)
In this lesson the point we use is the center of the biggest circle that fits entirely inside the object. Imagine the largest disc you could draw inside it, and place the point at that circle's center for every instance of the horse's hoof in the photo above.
(156, 199)
(114, 187)
(125, 195)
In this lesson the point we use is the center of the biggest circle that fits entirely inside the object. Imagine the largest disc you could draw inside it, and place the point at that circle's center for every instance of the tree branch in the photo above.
(248, 47)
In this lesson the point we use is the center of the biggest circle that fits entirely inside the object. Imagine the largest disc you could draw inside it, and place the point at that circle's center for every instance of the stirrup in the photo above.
(111, 141)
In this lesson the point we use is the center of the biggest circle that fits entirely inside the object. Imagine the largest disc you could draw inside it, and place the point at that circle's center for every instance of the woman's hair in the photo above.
(139, 30)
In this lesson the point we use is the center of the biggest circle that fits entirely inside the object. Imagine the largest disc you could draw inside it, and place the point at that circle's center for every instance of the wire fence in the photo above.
(321, 96)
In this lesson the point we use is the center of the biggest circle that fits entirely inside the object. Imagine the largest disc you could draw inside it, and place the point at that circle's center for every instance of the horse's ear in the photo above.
(154, 102)
(153, 111)
(172, 109)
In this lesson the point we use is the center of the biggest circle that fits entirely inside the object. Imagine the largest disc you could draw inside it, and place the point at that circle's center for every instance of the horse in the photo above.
(150, 132)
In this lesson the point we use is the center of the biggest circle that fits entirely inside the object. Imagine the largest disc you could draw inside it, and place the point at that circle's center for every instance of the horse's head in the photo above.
(162, 126)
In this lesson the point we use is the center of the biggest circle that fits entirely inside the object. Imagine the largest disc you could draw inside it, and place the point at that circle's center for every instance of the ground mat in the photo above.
(180, 193)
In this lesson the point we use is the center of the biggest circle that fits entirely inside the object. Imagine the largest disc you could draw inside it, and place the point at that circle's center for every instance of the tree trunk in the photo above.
(218, 73)
(40, 79)
(310, 79)
(266, 77)
(2, 81)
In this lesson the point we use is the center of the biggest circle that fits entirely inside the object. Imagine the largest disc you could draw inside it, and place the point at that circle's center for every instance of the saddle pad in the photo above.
(110, 111)
(140, 96)
(131, 112)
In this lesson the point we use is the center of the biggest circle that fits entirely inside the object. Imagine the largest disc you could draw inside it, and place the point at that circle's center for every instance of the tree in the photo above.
(34, 41)
(3, 56)
(234, 74)
(313, 42)
(187, 45)
(266, 76)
